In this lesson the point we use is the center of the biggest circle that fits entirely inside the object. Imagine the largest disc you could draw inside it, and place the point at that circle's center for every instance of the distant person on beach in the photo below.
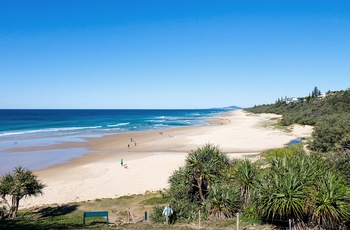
(121, 162)
(131, 140)
(167, 212)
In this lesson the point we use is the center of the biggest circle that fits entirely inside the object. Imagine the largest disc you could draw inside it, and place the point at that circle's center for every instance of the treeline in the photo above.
(330, 116)
(308, 109)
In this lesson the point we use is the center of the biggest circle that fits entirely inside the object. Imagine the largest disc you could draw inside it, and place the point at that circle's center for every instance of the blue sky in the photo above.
(170, 54)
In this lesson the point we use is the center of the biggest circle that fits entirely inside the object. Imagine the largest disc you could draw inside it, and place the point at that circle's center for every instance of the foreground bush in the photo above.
(310, 190)
(202, 185)
(303, 188)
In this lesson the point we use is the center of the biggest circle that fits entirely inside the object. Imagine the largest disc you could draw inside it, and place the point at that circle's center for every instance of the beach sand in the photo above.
(151, 157)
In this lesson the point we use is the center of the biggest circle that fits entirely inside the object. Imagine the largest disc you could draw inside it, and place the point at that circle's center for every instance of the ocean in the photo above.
(30, 128)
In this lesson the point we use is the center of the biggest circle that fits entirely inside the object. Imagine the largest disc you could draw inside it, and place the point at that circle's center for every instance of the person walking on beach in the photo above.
(121, 162)
(167, 212)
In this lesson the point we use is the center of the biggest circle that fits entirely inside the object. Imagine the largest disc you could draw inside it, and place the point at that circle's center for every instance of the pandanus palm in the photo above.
(18, 184)
(245, 174)
(180, 184)
(283, 197)
(332, 202)
(206, 164)
(181, 194)
(305, 189)
(191, 186)
(223, 201)
(285, 188)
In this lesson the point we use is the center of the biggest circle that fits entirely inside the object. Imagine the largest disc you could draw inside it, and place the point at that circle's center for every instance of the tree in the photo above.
(16, 185)
(246, 174)
(206, 164)
(305, 188)
(202, 183)
(330, 132)
(316, 92)
(223, 201)
(331, 205)
(285, 187)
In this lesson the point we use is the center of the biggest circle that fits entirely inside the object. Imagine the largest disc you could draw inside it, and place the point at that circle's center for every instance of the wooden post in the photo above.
(128, 217)
(199, 219)
(146, 216)
(132, 216)
(237, 221)
(290, 224)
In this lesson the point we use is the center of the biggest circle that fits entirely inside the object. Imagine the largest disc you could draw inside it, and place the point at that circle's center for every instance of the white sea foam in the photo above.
(159, 125)
(112, 129)
(157, 121)
(47, 130)
(119, 124)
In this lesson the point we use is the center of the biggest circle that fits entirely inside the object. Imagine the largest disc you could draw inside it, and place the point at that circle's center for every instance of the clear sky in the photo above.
(170, 54)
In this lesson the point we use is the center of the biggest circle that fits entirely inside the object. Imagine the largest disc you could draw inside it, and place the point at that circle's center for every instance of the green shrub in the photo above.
(156, 201)
(329, 132)
(191, 186)
(282, 152)
(156, 215)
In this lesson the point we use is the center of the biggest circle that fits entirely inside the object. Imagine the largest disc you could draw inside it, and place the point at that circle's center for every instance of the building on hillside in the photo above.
(291, 100)
(321, 96)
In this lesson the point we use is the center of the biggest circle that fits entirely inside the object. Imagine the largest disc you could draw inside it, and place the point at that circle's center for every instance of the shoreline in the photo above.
(151, 157)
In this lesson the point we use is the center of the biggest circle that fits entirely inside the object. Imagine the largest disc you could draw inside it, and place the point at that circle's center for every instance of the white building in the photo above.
(291, 100)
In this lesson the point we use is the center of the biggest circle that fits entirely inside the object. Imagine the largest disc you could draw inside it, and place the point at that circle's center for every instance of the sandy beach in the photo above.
(151, 157)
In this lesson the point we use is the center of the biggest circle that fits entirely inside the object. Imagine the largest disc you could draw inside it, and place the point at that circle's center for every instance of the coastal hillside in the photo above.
(329, 113)
(307, 110)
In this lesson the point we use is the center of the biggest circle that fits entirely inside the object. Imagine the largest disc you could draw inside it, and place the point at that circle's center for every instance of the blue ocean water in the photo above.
(28, 128)
(33, 123)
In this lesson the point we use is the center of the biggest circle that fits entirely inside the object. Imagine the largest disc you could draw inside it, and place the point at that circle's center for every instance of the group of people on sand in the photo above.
(121, 160)
(131, 140)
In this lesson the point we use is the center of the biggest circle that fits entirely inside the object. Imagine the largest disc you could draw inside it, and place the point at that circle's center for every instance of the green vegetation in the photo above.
(312, 190)
(307, 110)
(329, 115)
(293, 185)
(202, 184)
(331, 133)
(308, 189)
(303, 188)
(69, 216)
(16, 185)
